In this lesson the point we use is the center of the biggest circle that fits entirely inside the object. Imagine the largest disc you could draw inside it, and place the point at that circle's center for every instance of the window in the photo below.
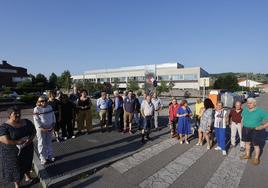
(164, 77)
(190, 77)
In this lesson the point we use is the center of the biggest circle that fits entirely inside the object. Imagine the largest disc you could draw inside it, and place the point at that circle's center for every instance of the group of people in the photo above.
(212, 120)
(58, 111)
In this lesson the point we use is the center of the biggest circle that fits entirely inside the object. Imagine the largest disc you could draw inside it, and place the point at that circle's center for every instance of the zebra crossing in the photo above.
(227, 174)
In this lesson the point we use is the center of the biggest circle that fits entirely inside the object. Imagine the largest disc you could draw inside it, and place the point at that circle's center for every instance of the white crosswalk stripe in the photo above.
(130, 162)
(167, 175)
(229, 172)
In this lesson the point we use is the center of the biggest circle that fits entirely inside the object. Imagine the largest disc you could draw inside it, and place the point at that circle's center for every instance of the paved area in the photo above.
(116, 160)
(169, 164)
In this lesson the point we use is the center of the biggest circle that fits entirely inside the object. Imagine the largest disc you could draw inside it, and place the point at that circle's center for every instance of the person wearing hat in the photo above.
(44, 121)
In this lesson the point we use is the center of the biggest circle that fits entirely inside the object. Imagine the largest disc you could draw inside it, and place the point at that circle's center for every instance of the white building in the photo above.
(249, 83)
(183, 78)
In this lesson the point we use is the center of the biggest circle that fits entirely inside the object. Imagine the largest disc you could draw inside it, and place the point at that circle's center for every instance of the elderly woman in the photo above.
(16, 147)
(84, 116)
(184, 114)
(220, 122)
(206, 122)
(44, 121)
(173, 119)
(54, 103)
(253, 124)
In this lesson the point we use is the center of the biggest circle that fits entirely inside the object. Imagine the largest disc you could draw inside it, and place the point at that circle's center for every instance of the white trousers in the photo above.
(234, 129)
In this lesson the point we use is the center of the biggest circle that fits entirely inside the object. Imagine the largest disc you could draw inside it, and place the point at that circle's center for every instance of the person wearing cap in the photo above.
(254, 122)
(158, 108)
(16, 147)
(44, 121)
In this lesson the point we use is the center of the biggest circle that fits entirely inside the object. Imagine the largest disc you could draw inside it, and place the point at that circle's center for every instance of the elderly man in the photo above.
(102, 106)
(118, 111)
(147, 111)
(129, 107)
(157, 107)
(253, 124)
(235, 118)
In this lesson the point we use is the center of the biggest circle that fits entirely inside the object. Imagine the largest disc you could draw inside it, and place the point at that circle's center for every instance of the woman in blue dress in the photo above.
(184, 114)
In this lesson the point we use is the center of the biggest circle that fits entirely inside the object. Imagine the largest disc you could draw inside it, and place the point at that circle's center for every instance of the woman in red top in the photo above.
(173, 119)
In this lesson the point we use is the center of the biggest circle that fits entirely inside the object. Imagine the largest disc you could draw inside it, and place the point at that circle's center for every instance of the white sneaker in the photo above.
(186, 142)
(217, 148)
(224, 152)
(73, 136)
(43, 162)
(64, 138)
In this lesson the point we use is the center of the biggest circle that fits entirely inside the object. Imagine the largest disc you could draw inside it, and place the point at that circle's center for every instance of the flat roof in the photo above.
(140, 67)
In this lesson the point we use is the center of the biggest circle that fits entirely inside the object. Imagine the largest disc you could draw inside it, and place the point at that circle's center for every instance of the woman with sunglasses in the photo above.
(44, 121)
(16, 147)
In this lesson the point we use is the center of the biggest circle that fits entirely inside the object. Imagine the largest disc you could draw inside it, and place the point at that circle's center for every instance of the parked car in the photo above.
(256, 93)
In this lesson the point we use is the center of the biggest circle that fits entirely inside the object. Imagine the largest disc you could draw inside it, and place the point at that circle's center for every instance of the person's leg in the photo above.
(200, 136)
(49, 146)
(17, 184)
(156, 119)
(69, 128)
(126, 120)
(121, 119)
(79, 121)
(130, 121)
(63, 128)
(207, 140)
(88, 120)
(222, 137)
(116, 119)
(143, 131)
(257, 152)
(233, 133)
(239, 128)
(217, 137)
(41, 145)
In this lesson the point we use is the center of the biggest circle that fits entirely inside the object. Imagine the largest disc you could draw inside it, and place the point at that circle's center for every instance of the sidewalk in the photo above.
(84, 155)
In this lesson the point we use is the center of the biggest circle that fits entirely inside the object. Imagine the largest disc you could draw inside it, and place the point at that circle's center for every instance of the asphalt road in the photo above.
(169, 164)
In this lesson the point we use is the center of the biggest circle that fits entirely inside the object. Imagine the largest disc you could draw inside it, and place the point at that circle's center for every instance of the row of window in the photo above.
(142, 78)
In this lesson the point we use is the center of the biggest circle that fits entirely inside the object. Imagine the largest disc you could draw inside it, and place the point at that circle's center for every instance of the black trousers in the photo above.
(67, 127)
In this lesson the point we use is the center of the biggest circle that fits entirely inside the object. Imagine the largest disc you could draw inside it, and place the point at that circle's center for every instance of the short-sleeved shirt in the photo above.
(236, 116)
(157, 103)
(147, 108)
(255, 118)
(198, 107)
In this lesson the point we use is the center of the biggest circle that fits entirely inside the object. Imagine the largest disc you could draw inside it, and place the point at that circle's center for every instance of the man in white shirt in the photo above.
(158, 108)
(147, 112)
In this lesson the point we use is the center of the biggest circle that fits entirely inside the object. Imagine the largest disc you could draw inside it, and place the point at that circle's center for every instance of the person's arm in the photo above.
(264, 117)
(5, 140)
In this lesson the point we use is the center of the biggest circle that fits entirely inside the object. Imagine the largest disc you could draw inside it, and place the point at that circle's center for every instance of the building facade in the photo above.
(11, 75)
(182, 78)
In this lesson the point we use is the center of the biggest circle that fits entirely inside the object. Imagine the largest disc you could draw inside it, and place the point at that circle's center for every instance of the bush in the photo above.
(28, 98)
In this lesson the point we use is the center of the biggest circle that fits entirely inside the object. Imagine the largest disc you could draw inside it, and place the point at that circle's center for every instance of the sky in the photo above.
(48, 36)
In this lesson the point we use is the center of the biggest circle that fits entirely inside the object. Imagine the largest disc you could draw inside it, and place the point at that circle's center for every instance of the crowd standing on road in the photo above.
(60, 113)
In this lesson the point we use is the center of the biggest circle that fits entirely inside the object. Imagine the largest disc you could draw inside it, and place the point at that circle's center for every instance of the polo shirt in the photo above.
(102, 104)
(255, 118)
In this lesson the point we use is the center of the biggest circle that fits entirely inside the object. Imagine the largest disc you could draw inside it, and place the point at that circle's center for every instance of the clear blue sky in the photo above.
(78, 35)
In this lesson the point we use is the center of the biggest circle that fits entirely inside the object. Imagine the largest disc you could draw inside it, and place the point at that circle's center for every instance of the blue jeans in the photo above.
(147, 123)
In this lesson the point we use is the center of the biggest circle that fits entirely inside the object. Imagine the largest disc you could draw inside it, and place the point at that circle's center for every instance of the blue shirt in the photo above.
(118, 103)
(102, 103)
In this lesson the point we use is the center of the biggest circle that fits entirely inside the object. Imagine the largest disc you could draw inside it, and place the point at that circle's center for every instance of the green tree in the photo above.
(52, 81)
(228, 82)
(40, 82)
(65, 81)
(162, 87)
(115, 84)
(133, 85)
